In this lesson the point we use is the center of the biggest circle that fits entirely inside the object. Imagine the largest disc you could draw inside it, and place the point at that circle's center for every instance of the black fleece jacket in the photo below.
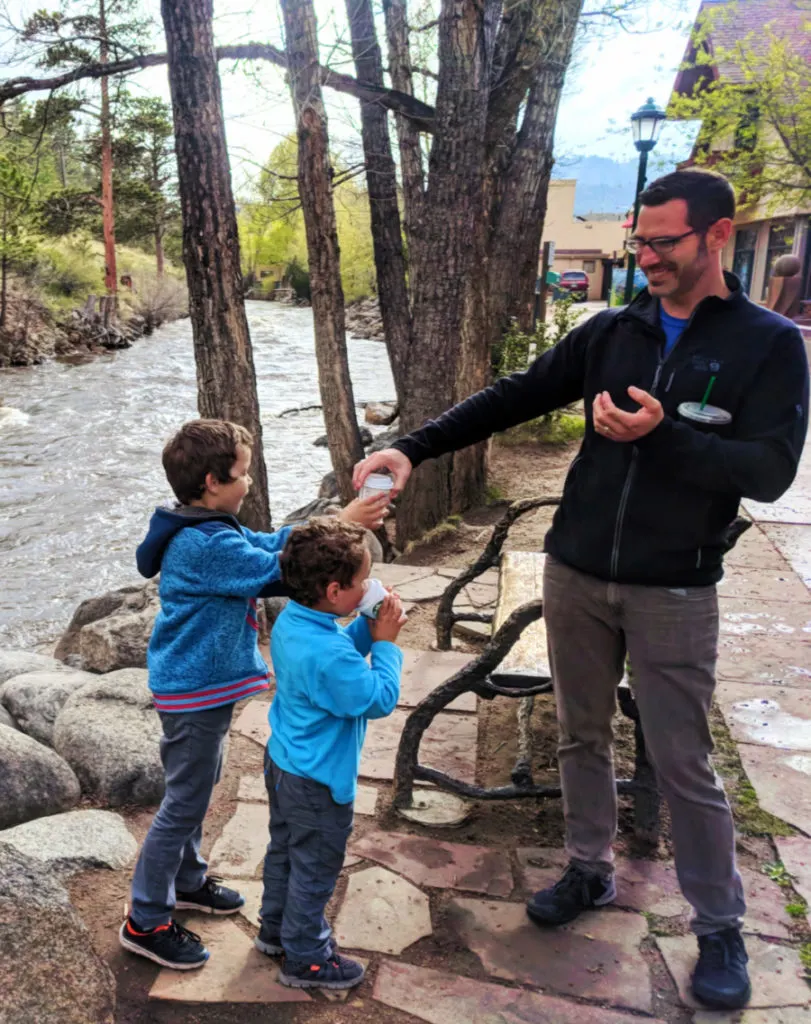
(655, 511)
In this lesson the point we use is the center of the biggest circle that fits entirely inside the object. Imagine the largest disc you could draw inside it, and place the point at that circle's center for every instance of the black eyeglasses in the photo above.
(661, 246)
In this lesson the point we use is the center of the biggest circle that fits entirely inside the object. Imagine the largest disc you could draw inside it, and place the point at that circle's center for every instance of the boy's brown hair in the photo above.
(318, 553)
(201, 447)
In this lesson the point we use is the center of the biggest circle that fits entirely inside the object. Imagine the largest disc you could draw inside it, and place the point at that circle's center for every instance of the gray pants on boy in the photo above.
(671, 636)
(308, 837)
(192, 756)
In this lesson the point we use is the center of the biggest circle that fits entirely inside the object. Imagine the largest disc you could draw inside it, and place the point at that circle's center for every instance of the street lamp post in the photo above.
(646, 124)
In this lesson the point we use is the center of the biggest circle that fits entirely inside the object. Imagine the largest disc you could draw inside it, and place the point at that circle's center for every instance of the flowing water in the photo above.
(80, 447)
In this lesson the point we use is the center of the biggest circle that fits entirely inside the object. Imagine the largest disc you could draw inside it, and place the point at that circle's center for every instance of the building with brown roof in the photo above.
(763, 232)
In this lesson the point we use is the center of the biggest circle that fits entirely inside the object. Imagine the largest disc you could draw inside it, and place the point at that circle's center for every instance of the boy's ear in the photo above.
(211, 483)
(332, 591)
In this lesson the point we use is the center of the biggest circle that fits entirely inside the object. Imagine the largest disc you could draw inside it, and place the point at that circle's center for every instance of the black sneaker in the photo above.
(268, 943)
(211, 898)
(170, 945)
(720, 979)
(337, 973)
(577, 891)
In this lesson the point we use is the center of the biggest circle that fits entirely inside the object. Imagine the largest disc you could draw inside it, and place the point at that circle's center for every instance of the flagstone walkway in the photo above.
(404, 889)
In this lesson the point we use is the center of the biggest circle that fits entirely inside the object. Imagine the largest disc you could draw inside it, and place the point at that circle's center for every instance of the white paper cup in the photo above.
(376, 483)
(372, 598)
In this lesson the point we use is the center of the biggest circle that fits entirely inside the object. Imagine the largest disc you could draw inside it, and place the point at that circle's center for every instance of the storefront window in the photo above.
(781, 243)
(744, 260)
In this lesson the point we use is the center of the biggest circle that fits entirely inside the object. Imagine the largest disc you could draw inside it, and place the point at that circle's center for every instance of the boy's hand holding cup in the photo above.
(367, 511)
(384, 609)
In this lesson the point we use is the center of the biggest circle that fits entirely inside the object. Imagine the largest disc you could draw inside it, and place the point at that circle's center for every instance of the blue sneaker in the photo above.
(720, 979)
(339, 972)
(211, 898)
(268, 943)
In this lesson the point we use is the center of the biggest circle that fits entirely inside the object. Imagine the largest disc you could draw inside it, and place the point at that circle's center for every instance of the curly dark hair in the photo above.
(318, 553)
(201, 447)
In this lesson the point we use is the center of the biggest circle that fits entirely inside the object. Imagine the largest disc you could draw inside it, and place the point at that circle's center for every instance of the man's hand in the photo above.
(390, 619)
(389, 458)
(368, 512)
(617, 425)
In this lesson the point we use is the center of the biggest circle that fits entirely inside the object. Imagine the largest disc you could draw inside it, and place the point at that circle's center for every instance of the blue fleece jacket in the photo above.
(325, 693)
(203, 651)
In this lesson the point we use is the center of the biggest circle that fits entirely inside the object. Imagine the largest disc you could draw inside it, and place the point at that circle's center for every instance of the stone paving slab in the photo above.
(775, 1015)
(240, 848)
(440, 998)
(253, 722)
(652, 886)
(236, 973)
(794, 506)
(782, 781)
(382, 912)
(795, 853)
(449, 745)
(766, 715)
(392, 575)
(596, 957)
(776, 971)
(779, 619)
(252, 789)
(474, 630)
(427, 588)
(424, 671)
(770, 661)
(755, 550)
(741, 582)
(438, 864)
(793, 541)
(481, 595)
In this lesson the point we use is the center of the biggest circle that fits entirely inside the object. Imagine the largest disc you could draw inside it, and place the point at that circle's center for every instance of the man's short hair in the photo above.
(201, 447)
(321, 552)
(709, 196)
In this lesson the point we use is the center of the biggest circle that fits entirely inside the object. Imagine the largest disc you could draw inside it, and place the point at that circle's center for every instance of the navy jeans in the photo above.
(192, 756)
(308, 836)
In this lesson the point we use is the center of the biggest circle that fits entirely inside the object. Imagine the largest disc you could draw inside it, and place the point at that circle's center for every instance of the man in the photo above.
(636, 546)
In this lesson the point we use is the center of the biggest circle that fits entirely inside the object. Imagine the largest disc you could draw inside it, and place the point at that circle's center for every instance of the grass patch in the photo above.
(664, 927)
(493, 494)
(805, 957)
(777, 872)
(797, 908)
(449, 525)
(554, 429)
(750, 818)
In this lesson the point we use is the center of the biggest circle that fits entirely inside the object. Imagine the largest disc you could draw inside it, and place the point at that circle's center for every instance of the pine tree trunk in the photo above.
(226, 380)
(107, 210)
(381, 182)
(159, 256)
(315, 190)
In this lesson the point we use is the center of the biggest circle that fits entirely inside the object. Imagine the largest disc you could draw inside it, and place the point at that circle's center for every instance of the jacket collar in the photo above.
(645, 307)
(305, 614)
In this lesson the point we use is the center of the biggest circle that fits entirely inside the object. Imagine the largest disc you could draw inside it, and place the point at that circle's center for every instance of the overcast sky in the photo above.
(615, 70)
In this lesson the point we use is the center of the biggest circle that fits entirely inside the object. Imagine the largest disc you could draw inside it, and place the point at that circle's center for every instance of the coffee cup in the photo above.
(376, 484)
(373, 596)
(704, 417)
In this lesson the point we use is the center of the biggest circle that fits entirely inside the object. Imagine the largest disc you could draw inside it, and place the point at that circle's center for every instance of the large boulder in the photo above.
(15, 663)
(49, 972)
(381, 413)
(67, 843)
(112, 631)
(6, 719)
(34, 781)
(366, 439)
(108, 731)
(36, 698)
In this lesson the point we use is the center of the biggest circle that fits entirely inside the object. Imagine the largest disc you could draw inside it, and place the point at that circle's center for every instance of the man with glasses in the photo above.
(636, 546)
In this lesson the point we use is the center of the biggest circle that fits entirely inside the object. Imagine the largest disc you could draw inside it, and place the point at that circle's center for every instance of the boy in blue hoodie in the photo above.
(326, 691)
(202, 658)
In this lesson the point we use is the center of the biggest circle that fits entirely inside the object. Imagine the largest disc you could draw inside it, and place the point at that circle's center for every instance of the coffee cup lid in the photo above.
(379, 482)
(710, 415)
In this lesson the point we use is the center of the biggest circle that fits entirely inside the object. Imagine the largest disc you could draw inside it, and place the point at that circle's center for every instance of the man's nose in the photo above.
(646, 257)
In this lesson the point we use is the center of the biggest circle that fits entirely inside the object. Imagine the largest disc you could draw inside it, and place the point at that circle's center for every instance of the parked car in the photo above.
(576, 283)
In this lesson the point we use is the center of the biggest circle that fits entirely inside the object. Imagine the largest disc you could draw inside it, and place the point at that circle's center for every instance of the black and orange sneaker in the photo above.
(211, 898)
(268, 942)
(336, 973)
(170, 945)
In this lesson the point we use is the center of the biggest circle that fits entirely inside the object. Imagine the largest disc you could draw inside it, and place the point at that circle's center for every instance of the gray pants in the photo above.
(671, 636)
(308, 837)
(192, 755)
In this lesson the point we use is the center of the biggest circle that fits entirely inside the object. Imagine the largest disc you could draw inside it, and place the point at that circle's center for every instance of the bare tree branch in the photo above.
(420, 114)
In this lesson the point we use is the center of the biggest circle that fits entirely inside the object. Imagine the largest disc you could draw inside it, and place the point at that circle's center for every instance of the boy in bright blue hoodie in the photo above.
(326, 691)
(202, 658)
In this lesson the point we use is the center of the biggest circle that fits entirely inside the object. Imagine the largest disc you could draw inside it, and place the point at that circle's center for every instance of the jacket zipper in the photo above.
(626, 490)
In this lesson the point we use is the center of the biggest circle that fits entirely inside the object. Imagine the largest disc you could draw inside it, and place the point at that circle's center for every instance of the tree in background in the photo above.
(755, 128)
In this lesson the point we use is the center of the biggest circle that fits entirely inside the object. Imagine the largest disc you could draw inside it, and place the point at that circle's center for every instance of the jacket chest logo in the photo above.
(706, 364)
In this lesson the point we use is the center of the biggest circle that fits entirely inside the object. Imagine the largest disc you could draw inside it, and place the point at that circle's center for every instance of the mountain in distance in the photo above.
(605, 185)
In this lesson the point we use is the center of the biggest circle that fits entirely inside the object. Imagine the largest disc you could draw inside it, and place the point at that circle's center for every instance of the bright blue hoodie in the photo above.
(325, 693)
(203, 651)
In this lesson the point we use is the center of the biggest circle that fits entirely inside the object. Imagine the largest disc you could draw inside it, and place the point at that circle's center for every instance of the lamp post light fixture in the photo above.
(646, 124)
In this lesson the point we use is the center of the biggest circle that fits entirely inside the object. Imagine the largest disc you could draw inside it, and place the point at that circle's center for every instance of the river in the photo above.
(80, 456)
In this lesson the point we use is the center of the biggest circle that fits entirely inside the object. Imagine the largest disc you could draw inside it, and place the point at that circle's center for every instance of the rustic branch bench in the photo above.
(513, 664)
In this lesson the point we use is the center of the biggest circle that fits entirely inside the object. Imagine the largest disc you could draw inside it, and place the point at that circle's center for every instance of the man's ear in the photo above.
(719, 234)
